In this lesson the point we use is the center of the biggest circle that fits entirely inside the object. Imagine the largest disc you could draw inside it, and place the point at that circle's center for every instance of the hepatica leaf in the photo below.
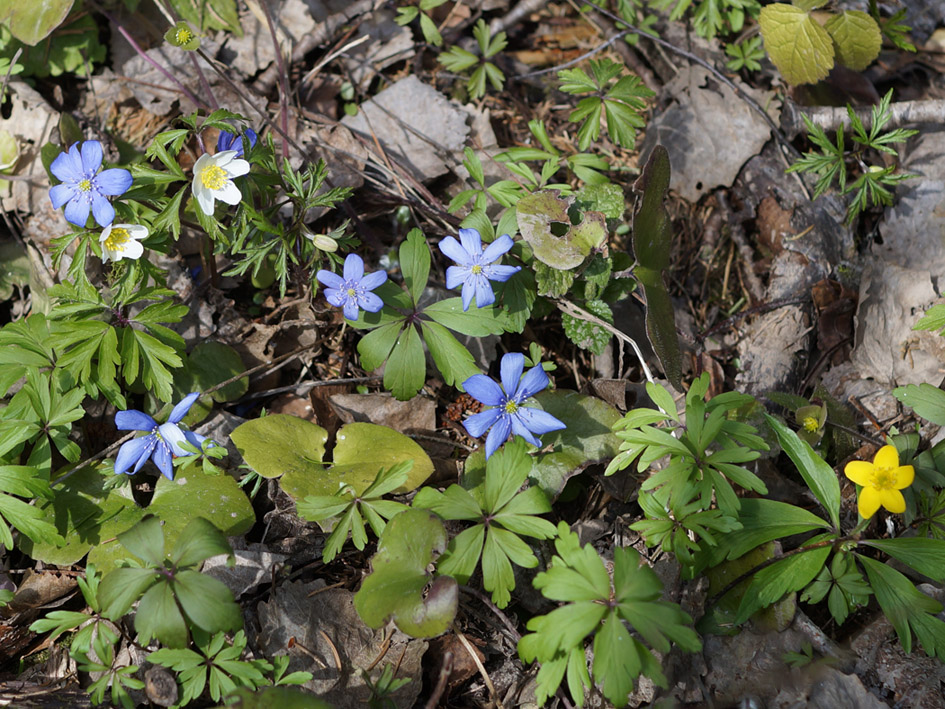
(542, 213)
(800, 48)
(857, 38)
(30, 22)
(652, 244)
(277, 444)
(395, 586)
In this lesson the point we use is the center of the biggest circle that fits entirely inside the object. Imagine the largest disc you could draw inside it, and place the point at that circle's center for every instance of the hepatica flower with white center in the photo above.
(509, 416)
(122, 241)
(230, 141)
(475, 267)
(83, 188)
(352, 292)
(162, 443)
(213, 179)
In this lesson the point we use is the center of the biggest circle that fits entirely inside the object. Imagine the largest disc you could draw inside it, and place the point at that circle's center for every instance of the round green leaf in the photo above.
(280, 444)
(800, 48)
(857, 38)
(32, 21)
(361, 451)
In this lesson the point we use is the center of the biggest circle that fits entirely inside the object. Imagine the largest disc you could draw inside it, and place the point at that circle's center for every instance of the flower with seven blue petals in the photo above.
(161, 444)
(231, 141)
(83, 188)
(509, 416)
(352, 292)
(475, 266)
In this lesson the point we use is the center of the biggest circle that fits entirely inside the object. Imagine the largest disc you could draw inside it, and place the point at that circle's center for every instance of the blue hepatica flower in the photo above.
(83, 187)
(508, 415)
(352, 292)
(230, 141)
(475, 267)
(161, 444)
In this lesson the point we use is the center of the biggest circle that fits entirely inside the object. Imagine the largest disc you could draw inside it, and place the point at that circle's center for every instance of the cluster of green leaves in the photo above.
(502, 515)
(598, 605)
(587, 167)
(621, 100)
(830, 163)
(399, 330)
(406, 15)
(746, 54)
(712, 17)
(691, 499)
(804, 48)
(460, 60)
(53, 37)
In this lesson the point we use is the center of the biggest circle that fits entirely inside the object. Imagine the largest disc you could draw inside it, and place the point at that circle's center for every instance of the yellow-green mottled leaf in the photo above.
(800, 48)
(857, 38)
(808, 5)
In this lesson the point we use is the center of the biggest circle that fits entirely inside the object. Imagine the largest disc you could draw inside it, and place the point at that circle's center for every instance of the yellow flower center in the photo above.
(510, 407)
(213, 177)
(352, 292)
(183, 35)
(85, 185)
(117, 239)
(884, 478)
(811, 424)
(477, 269)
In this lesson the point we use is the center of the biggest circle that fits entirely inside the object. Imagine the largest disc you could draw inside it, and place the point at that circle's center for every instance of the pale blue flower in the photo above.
(475, 267)
(83, 188)
(161, 445)
(352, 292)
(508, 415)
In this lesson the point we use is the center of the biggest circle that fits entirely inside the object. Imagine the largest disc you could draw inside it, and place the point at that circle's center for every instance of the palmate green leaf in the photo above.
(146, 541)
(199, 541)
(927, 556)
(454, 361)
(207, 602)
(456, 503)
(375, 347)
(783, 577)
(159, 617)
(406, 368)
(120, 588)
(560, 630)
(820, 477)
(145, 356)
(462, 556)
(801, 49)
(477, 322)
(506, 472)
(617, 661)
(415, 263)
(497, 575)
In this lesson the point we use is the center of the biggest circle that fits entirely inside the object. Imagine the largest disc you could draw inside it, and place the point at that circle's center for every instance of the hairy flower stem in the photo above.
(137, 47)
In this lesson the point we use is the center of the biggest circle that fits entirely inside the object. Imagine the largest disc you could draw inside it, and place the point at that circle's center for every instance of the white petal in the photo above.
(133, 250)
(237, 168)
(205, 200)
(230, 194)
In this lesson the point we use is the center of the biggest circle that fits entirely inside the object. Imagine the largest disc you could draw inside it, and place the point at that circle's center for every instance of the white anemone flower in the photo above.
(122, 241)
(213, 179)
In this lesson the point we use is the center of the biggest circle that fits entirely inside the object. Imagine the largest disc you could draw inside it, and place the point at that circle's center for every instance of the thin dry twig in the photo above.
(446, 669)
(479, 666)
(832, 118)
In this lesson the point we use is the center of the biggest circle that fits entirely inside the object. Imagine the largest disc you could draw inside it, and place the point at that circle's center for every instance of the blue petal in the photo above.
(162, 459)
(484, 294)
(60, 194)
(102, 210)
(498, 435)
(91, 157)
(336, 296)
(134, 420)
(251, 134)
(500, 273)
(226, 141)
(354, 268)
(172, 435)
(456, 276)
(137, 450)
(373, 280)
(332, 280)
(510, 370)
(538, 421)
(68, 166)
(196, 440)
(472, 242)
(484, 390)
(520, 429)
(533, 382)
(350, 309)
(497, 249)
(477, 424)
(180, 411)
(77, 211)
(113, 182)
(451, 248)
(469, 290)
(370, 302)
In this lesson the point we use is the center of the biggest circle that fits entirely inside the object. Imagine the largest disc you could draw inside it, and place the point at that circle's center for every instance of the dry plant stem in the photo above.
(320, 35)
(446, 669)
(283, 77)
(305, 387)
(496, 611)
(523, 8)
(577, 312)
(134, 45)
(775, 128)
(479, 666)
(831, 118)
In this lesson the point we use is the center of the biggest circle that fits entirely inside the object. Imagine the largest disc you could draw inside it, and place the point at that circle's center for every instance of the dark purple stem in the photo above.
(283, 84)
(203, 81)
(134, 45)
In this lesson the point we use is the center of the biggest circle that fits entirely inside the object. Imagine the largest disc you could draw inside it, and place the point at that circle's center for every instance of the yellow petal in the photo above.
(905, 475)
(886, 457)
(893, 501)
(859, 471)
(868, 502)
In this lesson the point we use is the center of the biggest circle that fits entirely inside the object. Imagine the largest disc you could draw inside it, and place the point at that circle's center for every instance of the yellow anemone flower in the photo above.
(881, 481)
